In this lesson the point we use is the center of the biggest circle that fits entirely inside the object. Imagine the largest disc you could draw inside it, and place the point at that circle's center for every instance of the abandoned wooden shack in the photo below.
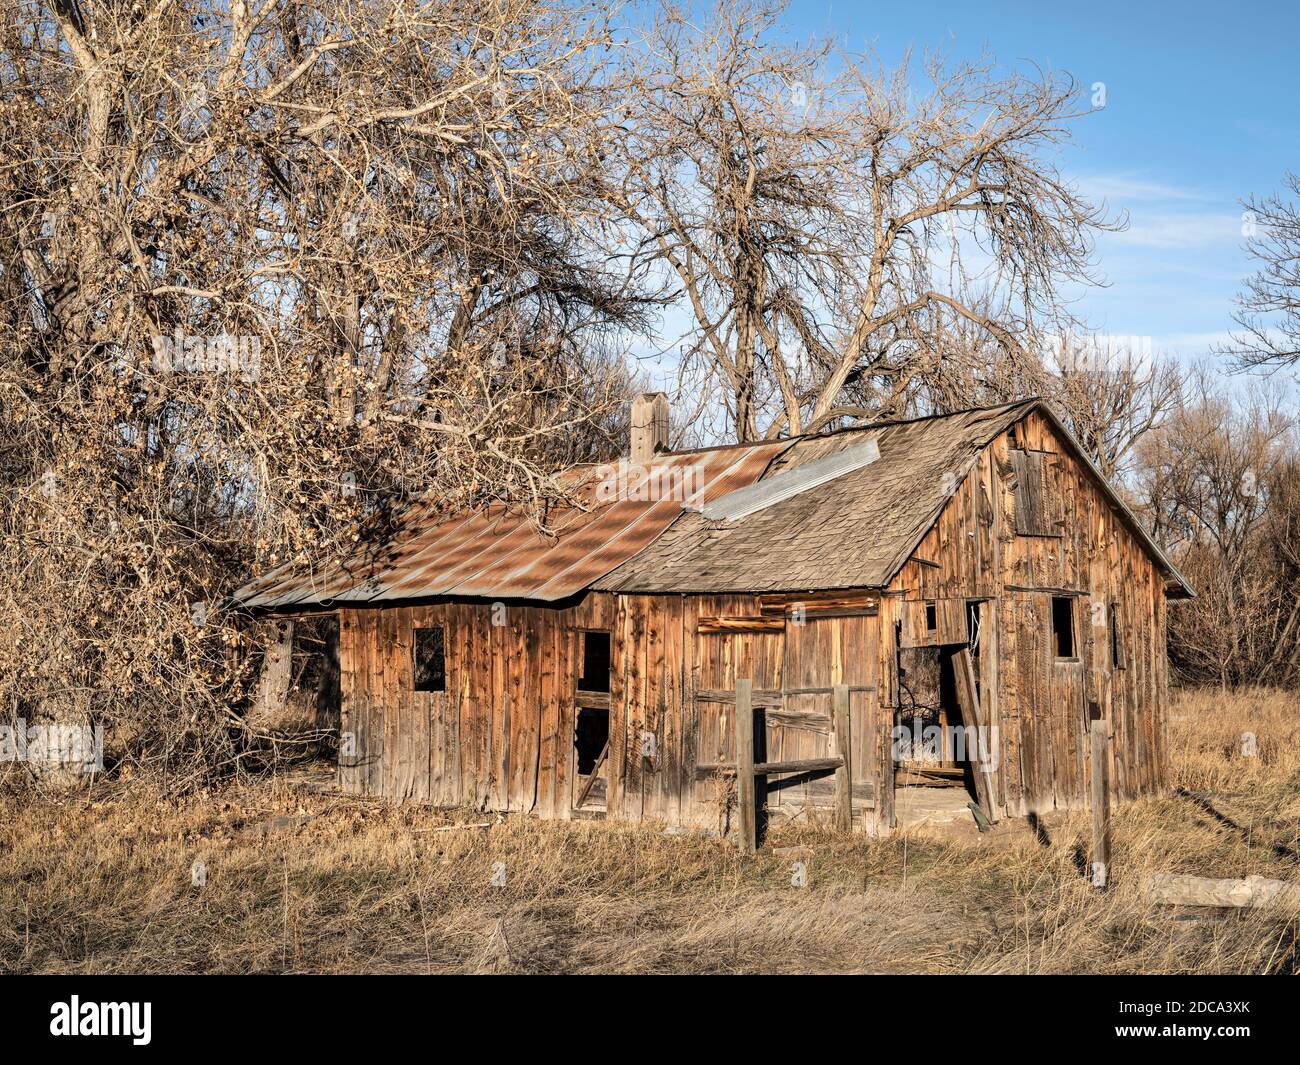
(944, 601)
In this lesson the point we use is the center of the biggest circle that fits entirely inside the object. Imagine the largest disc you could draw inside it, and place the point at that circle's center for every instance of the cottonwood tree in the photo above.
(1218, 481)
(732, 175)
(391, 212)
(1110, 392)
(1110, 395)
(824, 228)
(1268, 309)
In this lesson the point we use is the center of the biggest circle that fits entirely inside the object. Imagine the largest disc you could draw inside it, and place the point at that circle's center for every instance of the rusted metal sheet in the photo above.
(498, 553)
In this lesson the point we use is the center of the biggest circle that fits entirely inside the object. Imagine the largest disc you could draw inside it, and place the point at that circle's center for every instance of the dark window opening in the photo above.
(1063, 626)
(931, 618)
(595, 662)
(430, 663)
(589, 737)
(1116, 639)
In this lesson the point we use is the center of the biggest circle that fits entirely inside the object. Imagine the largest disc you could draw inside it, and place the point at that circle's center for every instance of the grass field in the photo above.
(304, 882)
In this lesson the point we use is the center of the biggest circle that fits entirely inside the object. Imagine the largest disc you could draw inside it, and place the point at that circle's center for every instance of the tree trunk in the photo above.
(277, 673)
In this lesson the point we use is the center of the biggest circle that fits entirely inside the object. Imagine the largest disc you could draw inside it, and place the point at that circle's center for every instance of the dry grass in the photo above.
(105, 886)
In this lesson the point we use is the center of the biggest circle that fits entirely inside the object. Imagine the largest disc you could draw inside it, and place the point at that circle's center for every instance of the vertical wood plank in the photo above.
(747, 819)
(844, 749)
(972, 716)
(375, 711)
(349, 758)
(885, 820)
(1100, 807)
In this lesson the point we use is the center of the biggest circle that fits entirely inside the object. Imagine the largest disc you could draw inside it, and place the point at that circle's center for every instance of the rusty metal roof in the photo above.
(498, 552)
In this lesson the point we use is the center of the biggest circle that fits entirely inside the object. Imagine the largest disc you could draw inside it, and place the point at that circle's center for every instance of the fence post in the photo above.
(885, 773)
(747, 829)
(844, 774)
(1100, 806)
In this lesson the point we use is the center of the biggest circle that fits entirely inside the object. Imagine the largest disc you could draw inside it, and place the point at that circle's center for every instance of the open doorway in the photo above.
(938, 755)
(932, 751)
(591, 722)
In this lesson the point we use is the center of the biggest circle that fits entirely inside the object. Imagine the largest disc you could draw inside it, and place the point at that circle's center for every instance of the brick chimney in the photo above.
(649, 426)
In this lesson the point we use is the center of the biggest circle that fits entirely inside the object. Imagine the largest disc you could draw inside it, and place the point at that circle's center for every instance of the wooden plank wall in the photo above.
(656, 676)
(821, 653)
(1099, 559)
(1040, 705)
(665, 660)
(499, 737)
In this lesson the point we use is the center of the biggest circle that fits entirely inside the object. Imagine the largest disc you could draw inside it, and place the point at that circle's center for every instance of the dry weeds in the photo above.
(303, 882)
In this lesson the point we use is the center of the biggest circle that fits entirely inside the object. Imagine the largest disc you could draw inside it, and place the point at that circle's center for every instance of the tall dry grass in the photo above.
(303, 882)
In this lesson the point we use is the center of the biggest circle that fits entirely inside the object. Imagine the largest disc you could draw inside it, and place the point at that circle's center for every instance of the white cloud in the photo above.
(1122, 189)
(1188, 343)
(1180, 229)
(1164, 215)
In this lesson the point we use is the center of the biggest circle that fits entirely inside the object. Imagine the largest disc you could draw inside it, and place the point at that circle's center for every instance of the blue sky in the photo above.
(1200, 113)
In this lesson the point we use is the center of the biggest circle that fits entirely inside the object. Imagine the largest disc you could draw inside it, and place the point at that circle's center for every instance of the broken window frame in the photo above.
(590, 706)
(582, 660)
(1032, 500)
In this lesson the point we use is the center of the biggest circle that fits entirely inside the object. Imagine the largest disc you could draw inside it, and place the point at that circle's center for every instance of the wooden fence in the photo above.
(747, 770)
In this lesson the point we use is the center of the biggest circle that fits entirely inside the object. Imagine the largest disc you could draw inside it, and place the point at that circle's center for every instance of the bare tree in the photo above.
(1268, 310)
(1111, 396)
(1109, 393)
(731, 175)
(268, 267)
(825, 229)
(1218, 480)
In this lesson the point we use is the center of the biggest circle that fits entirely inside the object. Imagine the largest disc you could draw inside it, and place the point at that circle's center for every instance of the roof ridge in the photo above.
(1027, 401)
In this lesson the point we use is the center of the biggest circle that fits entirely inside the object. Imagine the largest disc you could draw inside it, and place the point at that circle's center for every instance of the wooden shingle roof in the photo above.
(855, 531)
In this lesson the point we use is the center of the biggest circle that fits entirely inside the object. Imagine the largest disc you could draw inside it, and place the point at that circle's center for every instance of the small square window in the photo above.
(430, 663)
(931, 618)
(1063, 626)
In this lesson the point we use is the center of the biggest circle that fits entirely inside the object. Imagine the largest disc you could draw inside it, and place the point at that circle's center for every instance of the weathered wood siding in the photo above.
(500, 737)
(1039, 704)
